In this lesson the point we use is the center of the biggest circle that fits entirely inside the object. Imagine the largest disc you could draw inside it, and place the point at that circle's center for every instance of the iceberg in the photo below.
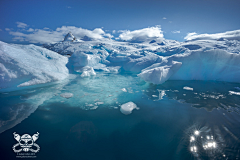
(152, 60)
(215, 65)
(25, 65)
(159, 75)
(155, 62)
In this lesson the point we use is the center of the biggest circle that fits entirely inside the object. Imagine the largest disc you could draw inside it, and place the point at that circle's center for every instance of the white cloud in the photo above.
(0, 29)
(45, 28)
(230, 35)
(108, 35)
(21, 25)
(191, 34)
(176, 32)
(47, 36)
(141, 35)
(164, 18)
(30, 30)
(69, 7)
(114, 31)
(7, 29)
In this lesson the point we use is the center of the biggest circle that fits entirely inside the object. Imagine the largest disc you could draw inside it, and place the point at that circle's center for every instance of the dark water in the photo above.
(198, 122)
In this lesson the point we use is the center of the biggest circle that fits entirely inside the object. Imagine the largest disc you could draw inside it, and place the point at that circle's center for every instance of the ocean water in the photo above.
(175, 120)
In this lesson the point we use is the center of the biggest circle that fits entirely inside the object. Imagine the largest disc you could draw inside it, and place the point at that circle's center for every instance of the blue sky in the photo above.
(177, 18)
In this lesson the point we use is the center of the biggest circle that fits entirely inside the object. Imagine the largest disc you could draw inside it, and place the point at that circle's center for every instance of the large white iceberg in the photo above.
(158, 61)
(159, 75)
(25, 65)
(216, 65)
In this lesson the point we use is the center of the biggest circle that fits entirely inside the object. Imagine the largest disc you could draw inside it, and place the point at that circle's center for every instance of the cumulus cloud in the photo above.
(21, 25)
(48, 36)
(30, 30)
(230, 35)
(164, 18)
(142, 35)
(176, 32)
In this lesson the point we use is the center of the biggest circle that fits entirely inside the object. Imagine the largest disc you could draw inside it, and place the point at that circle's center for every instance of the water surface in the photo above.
(175, 120)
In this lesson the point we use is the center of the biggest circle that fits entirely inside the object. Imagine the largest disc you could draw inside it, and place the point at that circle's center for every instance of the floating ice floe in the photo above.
(124, 89)
(94, 107)
(98, 103)
(128, 107)
(232, 92)
(188, 88)
(161, 94)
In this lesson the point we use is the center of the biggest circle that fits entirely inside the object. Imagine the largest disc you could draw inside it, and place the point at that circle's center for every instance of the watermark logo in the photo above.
(26, 143)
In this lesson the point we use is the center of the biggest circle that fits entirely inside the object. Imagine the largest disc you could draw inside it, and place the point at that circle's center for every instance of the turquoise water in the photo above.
(199, 122)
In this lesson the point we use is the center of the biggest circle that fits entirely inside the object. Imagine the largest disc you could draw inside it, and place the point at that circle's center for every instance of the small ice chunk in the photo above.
(88, 71)
(128, 107)
(98, 103)
(95, 107)
(66, 95)
(161, 94)
(188, 88)
(154, 96)
(124, 90)
(232, 92)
